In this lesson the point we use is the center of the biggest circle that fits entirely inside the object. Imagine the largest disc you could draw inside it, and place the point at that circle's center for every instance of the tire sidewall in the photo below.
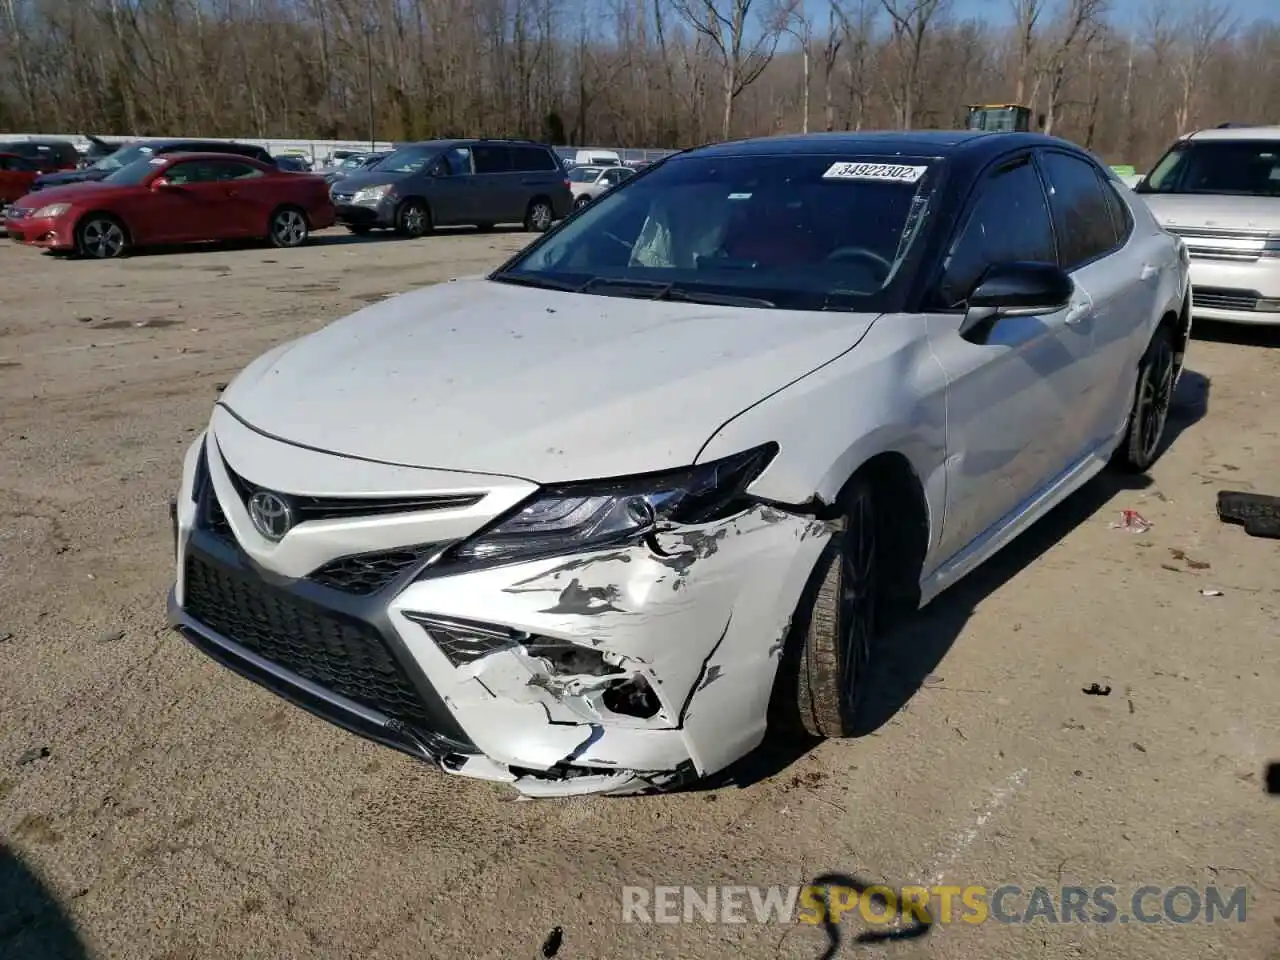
(274, 237)
(402, 216)
(82, 249)
(530, 221)
(1135, 457)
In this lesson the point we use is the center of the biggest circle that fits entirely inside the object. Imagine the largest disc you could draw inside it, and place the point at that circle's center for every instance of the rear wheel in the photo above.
(824, 677)
(413, 219)
(288, 228)
(539, 217)
(1157, 374)
(101, 237)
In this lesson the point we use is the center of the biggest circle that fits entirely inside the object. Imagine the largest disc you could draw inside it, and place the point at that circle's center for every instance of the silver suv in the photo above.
(1219, 190)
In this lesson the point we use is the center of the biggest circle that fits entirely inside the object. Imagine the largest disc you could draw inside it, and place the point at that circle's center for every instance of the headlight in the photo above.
(52, 210)
(588, 516)
(371, 194)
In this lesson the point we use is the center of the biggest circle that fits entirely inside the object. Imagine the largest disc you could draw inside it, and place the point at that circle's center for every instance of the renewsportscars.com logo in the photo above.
(972, 904)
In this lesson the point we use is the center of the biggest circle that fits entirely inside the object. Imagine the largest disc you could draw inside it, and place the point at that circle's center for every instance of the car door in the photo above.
(251, 198)
(1012, 386)
(1119, 272)
(499, 193)
(195, 204)
(451, 188)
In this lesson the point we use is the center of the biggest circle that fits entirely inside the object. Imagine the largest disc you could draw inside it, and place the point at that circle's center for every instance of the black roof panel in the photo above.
(927, 143)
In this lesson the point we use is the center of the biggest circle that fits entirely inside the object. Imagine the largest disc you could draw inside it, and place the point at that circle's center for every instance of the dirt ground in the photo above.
(154, 805)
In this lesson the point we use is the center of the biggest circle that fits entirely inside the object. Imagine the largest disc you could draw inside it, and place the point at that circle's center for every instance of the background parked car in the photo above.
(48, 156)
(97, 150)
(353, 164)
(1219, 190)
(16, 175)
(446, 182)
(174, 198)
(291, 164)
(587, 183)
(142, 149)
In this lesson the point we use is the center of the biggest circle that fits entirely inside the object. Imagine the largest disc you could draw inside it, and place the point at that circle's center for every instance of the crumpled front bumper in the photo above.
(617, 671)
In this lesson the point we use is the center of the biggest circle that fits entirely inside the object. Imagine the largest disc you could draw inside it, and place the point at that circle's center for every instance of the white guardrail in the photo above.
(318, 151)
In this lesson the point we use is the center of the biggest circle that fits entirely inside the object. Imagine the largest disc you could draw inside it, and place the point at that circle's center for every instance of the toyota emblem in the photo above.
(271, 515)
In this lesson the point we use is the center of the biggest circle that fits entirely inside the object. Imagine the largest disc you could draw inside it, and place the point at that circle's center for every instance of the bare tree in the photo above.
(726, 24)
(909, 22)
(1027, 14)
(830, 54)
(798, 25)
(1079, 27)
(1200, 30)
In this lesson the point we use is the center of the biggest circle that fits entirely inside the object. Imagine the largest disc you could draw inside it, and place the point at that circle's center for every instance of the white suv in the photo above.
(1219, 190)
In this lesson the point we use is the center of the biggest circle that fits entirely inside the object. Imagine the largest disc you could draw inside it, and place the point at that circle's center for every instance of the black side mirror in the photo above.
(1017, 289)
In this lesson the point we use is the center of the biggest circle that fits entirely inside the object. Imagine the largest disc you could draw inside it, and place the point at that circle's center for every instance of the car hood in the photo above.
(356, 180)
(480, 376)
(69, 192)
(1184, 211)
(49, 180)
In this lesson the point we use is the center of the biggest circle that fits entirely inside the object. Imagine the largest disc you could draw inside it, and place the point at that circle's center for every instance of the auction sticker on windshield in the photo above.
(899, 173)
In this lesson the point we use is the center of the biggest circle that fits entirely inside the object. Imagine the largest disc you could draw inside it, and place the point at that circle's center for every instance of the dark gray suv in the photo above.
(445, 182)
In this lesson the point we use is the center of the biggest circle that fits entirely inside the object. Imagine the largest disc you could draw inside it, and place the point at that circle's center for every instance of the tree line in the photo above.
(643, 73)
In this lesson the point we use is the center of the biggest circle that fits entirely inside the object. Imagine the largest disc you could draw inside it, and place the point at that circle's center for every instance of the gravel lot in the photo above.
(154, 805)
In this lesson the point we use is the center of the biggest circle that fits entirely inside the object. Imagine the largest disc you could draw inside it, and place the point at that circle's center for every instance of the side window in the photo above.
(193, 171)
(490, 159)
(236, 171)
(532, 159)
(1081, 214)
(610, 178)
(1008, 221)
(1121, 217)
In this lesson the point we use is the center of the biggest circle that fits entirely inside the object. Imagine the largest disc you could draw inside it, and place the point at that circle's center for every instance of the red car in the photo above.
(16, 174)
(174, 198)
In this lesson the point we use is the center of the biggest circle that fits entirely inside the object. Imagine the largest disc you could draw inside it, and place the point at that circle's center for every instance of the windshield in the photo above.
(132, 174)
(796, 232)
(584, 174)
(409, 160)
(354, 162)
(1247, 168)
(123, 157)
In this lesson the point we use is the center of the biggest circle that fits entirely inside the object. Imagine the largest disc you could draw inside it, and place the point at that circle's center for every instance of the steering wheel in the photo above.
(843, 254)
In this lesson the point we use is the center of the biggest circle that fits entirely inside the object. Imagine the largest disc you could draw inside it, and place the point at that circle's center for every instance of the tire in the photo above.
(413, 219)
(288, 228)
(1152, 398)
(823, 679)
(581, 202)
(100, 236)
(540, 215)
(359, 230)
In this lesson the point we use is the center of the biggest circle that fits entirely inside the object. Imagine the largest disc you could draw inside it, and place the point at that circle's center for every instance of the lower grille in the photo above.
(368, 573)
(339, 653)
(1224, 298)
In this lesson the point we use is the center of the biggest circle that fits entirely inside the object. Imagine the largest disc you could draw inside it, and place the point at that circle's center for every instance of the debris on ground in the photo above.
(1257, 513)
(1210, 592)
(1131, 521)
(110, 636)
(5, 637)
(551, 946)
(32, 755)
(1094, 690)
(1191, 562)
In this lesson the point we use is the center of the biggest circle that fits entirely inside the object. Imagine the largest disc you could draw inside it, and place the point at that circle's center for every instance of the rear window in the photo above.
(490, 159)
(801, 232)
(1249, 168)
(533, 159)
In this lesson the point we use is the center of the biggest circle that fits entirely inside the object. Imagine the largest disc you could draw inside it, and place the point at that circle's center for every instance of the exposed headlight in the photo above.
(587, 516)
(52, 210)
(371, 194)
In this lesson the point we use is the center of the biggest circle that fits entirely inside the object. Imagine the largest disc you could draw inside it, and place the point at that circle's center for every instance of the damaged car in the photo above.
(592, 522)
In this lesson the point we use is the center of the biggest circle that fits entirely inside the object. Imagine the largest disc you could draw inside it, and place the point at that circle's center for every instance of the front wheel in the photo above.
(101, 237)
(288, 228)
(1152, 399)
(581, 202)
(413, 219)
(539, 217)
(824, 676)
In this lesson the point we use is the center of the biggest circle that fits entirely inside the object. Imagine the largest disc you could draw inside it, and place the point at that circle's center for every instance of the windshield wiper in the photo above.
(658, 290)
(529, 280)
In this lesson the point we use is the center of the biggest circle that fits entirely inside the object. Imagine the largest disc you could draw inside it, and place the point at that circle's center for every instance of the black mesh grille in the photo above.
(368, 573)
(1224, 298)
(341, 654)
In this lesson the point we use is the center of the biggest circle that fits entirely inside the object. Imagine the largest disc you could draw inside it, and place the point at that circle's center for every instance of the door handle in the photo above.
(1149, 270)
(1077, 311)
(233, 193)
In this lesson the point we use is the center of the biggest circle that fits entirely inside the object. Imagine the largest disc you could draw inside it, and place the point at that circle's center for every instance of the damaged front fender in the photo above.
(641, 659)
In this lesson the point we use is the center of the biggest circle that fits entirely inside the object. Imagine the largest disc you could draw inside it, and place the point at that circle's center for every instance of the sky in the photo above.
(1126, 11)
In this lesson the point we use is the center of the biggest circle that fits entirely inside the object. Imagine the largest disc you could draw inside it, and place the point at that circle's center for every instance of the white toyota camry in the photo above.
(590, 523)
